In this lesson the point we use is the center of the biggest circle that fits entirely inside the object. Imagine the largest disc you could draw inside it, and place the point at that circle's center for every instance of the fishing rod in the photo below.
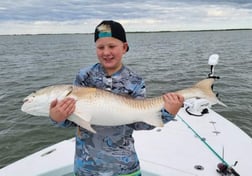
(223, 168)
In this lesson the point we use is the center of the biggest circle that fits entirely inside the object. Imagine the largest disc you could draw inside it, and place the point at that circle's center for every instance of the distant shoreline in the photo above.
(133, 32)
(207, 30)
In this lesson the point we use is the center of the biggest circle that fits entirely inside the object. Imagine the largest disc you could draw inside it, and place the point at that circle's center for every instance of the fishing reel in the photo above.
(224, 169)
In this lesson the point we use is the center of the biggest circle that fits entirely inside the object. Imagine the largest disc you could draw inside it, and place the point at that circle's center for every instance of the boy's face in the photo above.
(110, 51)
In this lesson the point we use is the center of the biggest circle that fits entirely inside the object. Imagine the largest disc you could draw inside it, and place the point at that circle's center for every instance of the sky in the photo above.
(81, 16)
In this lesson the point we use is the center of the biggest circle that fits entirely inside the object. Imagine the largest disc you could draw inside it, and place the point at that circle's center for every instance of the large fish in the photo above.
(99, 107)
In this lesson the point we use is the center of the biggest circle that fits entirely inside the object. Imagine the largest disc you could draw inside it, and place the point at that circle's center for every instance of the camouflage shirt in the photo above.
(109, 152)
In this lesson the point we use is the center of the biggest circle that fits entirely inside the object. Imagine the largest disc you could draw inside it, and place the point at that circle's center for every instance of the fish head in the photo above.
(38, 102)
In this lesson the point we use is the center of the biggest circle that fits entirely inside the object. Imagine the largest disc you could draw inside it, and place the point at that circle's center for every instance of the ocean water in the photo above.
(167, 61)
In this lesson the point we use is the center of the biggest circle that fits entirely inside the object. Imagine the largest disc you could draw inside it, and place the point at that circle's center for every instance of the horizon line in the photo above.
(162, 31)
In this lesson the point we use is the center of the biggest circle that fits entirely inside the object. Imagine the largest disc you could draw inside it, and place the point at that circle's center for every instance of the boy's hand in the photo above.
(61, 110)
(173, 102)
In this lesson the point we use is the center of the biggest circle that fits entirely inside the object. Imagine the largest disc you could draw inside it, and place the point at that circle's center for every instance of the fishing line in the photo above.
(204, 141)
(224, 167)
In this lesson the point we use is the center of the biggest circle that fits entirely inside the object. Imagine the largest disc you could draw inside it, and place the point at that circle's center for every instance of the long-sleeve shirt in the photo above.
(111, 150)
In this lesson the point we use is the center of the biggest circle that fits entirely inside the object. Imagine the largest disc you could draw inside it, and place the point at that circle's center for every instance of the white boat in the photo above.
(199, 142)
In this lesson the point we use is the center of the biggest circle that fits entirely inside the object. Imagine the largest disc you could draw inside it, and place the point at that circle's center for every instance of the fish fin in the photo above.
(221, 103)
(79, 120)
(84, 116)
(205, 86)
(156, 121)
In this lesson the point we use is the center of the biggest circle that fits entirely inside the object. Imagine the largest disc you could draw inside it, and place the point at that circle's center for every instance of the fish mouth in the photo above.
(25, 100)
(25, 107)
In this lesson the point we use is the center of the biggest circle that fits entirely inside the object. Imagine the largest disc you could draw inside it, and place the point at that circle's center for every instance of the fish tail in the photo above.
(205, 86)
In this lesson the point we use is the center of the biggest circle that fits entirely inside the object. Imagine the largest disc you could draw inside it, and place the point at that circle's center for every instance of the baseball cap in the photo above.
(109, 28)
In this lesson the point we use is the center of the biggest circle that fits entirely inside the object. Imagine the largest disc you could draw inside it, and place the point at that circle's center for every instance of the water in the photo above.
(167, 61)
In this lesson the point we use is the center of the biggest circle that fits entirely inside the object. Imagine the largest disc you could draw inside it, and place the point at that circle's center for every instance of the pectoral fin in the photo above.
(154, 120)
(157, 122)
(81, 120)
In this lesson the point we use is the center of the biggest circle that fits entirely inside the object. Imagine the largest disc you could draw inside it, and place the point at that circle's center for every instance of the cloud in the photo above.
(71, 16)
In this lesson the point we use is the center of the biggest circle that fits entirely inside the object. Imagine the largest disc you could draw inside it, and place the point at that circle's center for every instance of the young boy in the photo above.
(111, 150)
